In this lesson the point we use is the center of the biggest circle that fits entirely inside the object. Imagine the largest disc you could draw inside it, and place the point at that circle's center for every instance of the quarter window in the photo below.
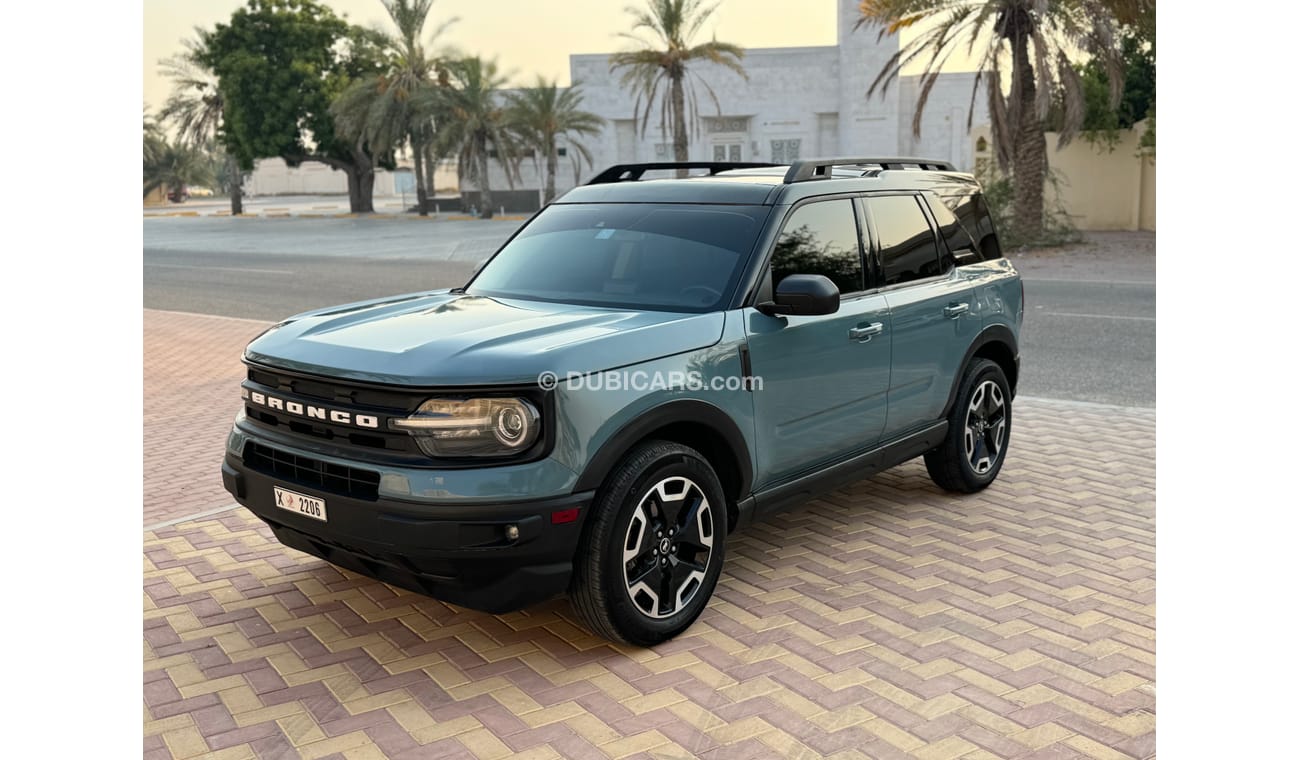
(820, 238)
(907, 246)
(960, 244)
(973, 214)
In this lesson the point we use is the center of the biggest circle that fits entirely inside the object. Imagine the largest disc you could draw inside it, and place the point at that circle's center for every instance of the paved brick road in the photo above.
(191, 395)
(887, 619)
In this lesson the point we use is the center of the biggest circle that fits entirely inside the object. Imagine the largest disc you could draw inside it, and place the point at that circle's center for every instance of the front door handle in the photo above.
(863, 334)
(954, 310)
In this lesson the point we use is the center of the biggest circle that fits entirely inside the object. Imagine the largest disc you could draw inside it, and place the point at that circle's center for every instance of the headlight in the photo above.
(473, 427)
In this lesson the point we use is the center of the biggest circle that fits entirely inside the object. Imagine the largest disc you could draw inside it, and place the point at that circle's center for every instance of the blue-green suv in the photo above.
(643, 368)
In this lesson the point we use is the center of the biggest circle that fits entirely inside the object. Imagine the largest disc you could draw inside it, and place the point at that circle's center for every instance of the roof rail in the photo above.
(820, 168)
(633, 172)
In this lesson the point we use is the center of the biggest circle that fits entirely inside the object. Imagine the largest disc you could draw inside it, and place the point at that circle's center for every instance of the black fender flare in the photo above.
(662, 415)
(990, 334)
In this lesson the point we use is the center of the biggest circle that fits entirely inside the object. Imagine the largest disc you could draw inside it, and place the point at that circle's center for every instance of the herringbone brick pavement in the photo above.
(886, 620)
(191, 395)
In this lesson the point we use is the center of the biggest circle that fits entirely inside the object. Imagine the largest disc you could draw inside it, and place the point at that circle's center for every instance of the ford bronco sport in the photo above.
(643, 368)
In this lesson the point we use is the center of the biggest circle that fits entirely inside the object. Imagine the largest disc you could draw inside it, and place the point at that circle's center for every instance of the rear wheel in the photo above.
(979, 427)
(653, 546)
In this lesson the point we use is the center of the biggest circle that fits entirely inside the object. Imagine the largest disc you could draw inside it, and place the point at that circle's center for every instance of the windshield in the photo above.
(667, 257)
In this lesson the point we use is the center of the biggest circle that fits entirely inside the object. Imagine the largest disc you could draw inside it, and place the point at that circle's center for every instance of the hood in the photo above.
(443, 338)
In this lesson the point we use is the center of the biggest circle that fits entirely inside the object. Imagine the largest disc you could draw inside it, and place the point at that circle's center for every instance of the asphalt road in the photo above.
(1089, 332)
(1089, 341)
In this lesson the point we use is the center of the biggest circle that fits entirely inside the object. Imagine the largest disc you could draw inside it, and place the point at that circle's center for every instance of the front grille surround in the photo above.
(383, 446)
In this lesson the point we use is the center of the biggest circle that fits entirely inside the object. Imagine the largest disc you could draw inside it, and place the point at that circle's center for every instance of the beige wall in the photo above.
(1100, 189)
(156, 198)
(271, 176)
(1147, 212)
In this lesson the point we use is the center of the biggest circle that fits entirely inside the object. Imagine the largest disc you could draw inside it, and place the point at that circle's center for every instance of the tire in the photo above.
(624, 594)
(979, 428)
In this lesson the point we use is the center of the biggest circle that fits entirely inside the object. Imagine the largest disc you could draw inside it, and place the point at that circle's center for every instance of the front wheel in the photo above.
(653, 546)
(979, 427)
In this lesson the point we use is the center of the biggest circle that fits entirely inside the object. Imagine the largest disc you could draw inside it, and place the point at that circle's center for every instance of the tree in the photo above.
(1101, 120)
(477, 127)
(173, 165)
(195, 107)
(153, 134)
(279, 64)
(390, 108)
(1038, 37)
(662, 69)
(543, 113)
(154, 143)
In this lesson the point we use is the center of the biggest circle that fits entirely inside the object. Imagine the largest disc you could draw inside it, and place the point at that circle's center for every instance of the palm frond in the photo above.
(1046, 85)
(1072, 98)
(655, 71)
(999, 118)
(1037, 37)
(195, 106)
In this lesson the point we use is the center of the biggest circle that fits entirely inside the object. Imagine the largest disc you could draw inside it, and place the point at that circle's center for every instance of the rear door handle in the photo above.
(863, 334)
(955, 309)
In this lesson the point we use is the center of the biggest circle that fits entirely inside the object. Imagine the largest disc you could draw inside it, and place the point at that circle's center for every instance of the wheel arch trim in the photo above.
(989, 335)
(664, 415)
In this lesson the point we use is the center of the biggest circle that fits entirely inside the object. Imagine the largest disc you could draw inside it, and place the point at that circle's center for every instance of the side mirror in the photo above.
(804, 295)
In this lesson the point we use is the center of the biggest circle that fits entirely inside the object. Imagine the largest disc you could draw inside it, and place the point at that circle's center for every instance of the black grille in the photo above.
(344, 481)
(388, 441)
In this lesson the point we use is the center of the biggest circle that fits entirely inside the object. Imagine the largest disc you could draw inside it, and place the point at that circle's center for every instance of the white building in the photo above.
(799, 102)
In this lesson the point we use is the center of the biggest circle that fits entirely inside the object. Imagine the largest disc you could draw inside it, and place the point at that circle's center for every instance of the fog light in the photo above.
(512, 532)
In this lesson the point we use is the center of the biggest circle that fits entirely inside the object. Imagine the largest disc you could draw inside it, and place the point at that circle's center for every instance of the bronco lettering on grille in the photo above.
(337, 416)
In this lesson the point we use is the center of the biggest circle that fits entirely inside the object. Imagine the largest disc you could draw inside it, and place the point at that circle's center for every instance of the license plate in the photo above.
(303, 505)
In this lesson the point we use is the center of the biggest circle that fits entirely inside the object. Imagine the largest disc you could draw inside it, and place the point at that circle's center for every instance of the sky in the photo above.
(527, 37)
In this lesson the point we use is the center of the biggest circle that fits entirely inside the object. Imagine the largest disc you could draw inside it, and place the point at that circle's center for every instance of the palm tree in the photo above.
(662, 68)
(1038, 37)
(196, 109)
(174, 165)
(154, 143)
(396, 107)
(477, 127)
(544, 112)
(153, 134)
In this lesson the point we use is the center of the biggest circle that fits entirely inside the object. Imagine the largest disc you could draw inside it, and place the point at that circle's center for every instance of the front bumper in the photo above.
(450, 550)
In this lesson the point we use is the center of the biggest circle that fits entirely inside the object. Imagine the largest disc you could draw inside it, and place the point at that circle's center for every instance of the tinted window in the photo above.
(907, 246)
(820, 238)
(671, 257)
(973, 215)
(958, 240)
